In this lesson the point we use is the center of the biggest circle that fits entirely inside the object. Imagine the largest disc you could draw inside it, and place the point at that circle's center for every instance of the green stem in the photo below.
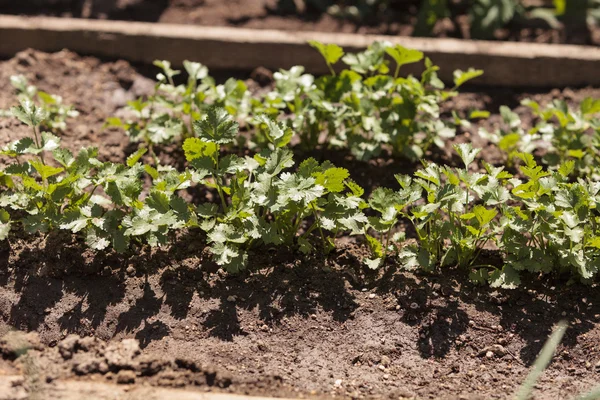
(331, 69)
(318, 221)
(37, 144)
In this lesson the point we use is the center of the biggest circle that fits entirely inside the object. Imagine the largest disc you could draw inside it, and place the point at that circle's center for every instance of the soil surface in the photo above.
(293, 325)
(400, 19)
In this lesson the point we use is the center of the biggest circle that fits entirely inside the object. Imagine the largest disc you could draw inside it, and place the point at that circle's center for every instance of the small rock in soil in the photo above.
(68, 346)
(90, 366)
(121, 355)
(385, 361)
(262, 346)
(125, 377)
(130, 270)
(150, 366)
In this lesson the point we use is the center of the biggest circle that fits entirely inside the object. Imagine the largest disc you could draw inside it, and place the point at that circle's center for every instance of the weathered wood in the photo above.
(505, 63)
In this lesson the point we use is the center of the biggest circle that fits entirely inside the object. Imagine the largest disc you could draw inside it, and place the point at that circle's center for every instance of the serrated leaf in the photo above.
(217, 127)
(45, 171)
(466, 153)
(135, 157)
(196, 148)
(332, 179)
(373, 263)
(375, 246)
(460, 77)
(277, 133)
(403, 56)
(483, 215)
(50, 142)
(279, 160)
(29, 113)
(5, 224)
(566, 168)
(330, 52)
(506, 278)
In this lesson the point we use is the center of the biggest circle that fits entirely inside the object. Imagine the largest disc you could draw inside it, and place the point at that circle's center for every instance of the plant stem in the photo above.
(37, 144)
(318, 220)
(331, 69)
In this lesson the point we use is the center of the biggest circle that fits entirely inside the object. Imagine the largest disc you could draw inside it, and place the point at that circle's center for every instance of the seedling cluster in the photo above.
(539, 215)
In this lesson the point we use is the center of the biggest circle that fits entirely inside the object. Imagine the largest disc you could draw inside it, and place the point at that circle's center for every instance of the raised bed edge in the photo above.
(509, 64)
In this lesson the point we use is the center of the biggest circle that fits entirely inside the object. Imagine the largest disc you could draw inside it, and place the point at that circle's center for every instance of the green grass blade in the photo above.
(593, 395)
(542, 362)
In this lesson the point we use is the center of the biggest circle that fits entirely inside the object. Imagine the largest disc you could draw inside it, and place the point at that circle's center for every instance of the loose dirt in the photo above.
(293, 325)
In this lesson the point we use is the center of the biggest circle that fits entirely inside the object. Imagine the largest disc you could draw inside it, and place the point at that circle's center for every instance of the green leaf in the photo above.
(332, 179)
(135, 157)
(509, 142)
(460, 77)
(277, 133)
(479, 114)
(479, 276)
(279, 160)
(195, 70)
(567, 168)
(330, 52)
(403, 56)
(354, 188)
(483, 215)
(466, 153)
(5, 224)
(196, 148)
(506, 278)
(50, 142)
(373, 263)
(29, 113)
(218, 126)
(45, 171)
(590, 106)
(64, 157)
(375, 246)
(308, 167)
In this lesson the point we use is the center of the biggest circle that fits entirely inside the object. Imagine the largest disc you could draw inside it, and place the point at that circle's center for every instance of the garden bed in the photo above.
(293, 324)
(399, 18)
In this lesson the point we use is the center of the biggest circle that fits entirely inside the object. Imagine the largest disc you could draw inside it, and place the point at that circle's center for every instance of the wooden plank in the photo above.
(505, 63)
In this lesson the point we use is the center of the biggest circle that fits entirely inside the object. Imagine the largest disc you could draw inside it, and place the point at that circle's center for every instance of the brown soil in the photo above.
(263, 14)
(291, 326)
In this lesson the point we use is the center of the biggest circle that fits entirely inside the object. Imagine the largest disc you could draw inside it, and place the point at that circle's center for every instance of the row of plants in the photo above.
(485, 16)
(366, 107)
(542, 220)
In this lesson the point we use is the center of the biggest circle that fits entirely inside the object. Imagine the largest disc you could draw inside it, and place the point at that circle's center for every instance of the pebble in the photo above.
(125, 376)
(489, 354)
(381, 367)
(385, 361)
(338, 383)
(372, 295)
(130, 270)
(232, 299)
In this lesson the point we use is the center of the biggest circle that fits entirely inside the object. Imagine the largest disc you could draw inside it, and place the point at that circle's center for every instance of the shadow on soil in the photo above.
(69, 289)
